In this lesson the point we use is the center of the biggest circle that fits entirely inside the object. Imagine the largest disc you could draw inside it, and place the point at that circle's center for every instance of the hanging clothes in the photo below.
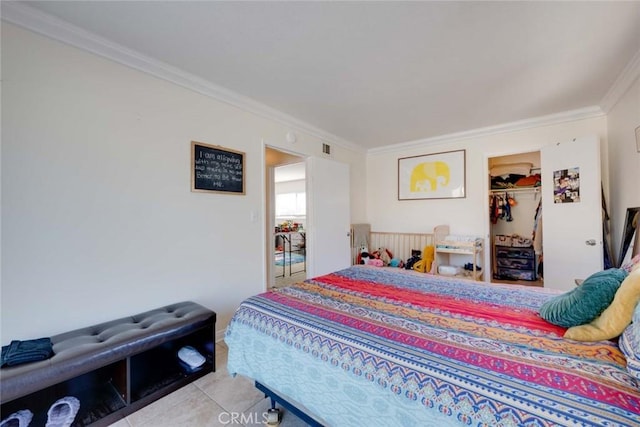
(493, 209)
(537, 238)
(507, 208)
(537, 229)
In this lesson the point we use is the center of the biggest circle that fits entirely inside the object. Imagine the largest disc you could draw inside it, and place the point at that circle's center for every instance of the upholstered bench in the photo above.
(124, 348)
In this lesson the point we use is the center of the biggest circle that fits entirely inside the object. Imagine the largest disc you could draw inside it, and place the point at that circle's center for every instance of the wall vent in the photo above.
(326, 149)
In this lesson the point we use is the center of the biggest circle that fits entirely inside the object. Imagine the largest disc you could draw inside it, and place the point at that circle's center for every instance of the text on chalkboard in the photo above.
(217, 169)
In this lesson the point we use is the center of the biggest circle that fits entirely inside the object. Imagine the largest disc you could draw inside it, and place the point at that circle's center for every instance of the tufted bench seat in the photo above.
(84, 350)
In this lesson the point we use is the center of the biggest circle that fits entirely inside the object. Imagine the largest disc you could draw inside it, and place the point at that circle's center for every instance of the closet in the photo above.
(515, 212)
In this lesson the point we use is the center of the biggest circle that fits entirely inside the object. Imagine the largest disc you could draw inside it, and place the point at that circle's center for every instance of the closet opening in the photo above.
(515, 212)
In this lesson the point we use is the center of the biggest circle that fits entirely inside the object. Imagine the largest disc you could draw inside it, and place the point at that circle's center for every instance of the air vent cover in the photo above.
(326, 149)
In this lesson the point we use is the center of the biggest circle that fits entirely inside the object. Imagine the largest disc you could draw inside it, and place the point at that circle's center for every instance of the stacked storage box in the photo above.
(515, 258)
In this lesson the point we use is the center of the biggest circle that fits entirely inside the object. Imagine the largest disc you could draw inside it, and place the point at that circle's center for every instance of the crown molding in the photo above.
(57, 29)
(626, 78)
(552, 119)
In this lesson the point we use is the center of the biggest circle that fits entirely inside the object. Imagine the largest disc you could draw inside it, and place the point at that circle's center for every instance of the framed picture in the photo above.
(432, 176)
(638, 139)
(216, 169)
(566, 185)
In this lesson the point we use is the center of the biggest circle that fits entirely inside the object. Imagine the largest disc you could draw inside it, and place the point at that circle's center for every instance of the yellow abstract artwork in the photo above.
(428, 176)
(432, 176)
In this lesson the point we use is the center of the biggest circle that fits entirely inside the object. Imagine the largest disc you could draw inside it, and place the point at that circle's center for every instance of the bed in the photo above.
(383, 346)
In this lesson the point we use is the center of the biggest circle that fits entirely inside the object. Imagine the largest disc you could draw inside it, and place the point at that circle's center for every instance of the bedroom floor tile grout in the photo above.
(298, 275)
(217, 399)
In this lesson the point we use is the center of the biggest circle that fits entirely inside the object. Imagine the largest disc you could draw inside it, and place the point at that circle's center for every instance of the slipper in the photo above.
(18, 419)
(191, 357)
(63, 412)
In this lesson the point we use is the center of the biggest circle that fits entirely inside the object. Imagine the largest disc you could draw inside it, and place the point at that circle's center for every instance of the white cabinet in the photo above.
(460, 245)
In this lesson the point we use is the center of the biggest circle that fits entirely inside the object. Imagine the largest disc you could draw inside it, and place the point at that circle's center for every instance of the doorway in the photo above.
(515, 212)
(286, 218)
(290, 224)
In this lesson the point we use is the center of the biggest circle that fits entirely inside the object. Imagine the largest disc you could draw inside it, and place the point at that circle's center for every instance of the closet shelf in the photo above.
(516, 190)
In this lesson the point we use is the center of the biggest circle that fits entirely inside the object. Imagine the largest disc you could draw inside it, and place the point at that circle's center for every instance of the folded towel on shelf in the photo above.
(19, 352)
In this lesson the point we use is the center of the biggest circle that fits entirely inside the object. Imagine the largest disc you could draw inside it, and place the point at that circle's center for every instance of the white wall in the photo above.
(297, 186)
(523, 215)
(624, 160)
(469, 215)
(98, 220)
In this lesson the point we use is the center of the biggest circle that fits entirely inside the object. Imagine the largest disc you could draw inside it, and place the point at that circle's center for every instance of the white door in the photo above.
(571, 211)
(328, 216)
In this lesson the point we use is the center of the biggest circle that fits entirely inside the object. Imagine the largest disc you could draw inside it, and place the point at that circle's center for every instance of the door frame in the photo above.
(268, 207)
(488, 276)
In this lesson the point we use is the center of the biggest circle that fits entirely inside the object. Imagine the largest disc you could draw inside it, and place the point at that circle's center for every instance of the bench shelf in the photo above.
(111, 392)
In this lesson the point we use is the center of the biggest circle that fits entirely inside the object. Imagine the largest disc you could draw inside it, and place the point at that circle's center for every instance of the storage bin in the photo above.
(447, 270)
(515, 253)
(512, 274)
(517, 263)
(501, 240)
(521, 242)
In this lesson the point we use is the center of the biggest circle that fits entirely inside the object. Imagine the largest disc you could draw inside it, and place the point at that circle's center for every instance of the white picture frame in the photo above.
(432, 176)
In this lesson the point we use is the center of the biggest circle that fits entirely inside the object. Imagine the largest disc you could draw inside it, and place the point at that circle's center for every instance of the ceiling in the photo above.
(382, 73)
(286, 166)
(292, 172)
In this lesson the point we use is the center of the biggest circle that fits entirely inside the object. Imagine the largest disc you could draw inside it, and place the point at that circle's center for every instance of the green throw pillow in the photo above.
(586, 302)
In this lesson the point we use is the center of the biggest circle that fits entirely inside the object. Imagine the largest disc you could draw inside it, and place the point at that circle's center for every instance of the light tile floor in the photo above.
(298, 275)
(217, 399)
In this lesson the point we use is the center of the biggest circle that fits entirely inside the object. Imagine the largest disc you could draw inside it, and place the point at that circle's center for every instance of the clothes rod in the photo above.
(516, 190)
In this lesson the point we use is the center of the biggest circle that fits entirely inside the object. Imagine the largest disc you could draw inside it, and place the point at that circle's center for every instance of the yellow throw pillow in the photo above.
(615, 318)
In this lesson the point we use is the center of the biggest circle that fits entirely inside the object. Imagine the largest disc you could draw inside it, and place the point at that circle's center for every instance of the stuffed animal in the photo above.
(395, 262)
(416, 255)
(419, 265)
(362, 252)
(368, 259)
(365, 257)
(424, 265)
(383, 254)
(375, 262)
(429, 257)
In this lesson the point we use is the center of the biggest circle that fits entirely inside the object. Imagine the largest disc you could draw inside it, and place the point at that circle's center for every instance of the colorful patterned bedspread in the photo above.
(378, 346)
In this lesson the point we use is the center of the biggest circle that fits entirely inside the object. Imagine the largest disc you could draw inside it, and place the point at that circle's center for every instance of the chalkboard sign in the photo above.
(216, 169)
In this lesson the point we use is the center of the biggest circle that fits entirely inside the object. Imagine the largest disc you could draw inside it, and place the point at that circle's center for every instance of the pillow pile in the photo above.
(586, 302)
(630, 344)
(613, 321)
